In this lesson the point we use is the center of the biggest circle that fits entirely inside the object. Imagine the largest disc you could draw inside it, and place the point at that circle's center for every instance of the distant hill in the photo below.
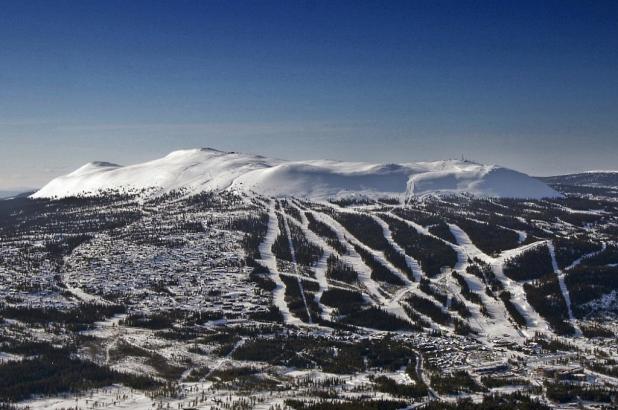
(590, 179)
(15, 193)
(206, 169)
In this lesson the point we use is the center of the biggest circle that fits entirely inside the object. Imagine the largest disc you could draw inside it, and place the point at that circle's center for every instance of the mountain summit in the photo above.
(207, 169)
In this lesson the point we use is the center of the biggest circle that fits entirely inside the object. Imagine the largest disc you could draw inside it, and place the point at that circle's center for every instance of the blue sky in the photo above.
(530, 85)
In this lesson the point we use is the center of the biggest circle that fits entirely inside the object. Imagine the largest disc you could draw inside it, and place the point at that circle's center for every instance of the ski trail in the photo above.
(462, 258)
(523, 235)
(107, 350)
(449, 301)
(423, 377)
(381, 257)
(518, 295)
(412, 263)
(563, 288)
(321, 266)
(84, 296)
(378, 255)
(270, 261)
(586, 256)
(495, 308)
(226, 358)
(352, 258)
(294, 264)
(465, 248)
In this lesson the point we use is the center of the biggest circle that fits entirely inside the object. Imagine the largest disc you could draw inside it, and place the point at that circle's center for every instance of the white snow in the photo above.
(295, 265)
(206, 169)
(321, 266)
(412, 263)
(563, 288)
(499, 324)
(269, 260)
(352, 258)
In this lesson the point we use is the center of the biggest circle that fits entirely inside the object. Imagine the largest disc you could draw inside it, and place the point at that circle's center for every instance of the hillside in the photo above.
(594, 184)
(204, 170)
(206, 277)
(589, 178)
(219, 296)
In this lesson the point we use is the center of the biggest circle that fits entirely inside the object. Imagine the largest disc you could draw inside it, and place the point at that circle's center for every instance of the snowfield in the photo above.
(198, 170)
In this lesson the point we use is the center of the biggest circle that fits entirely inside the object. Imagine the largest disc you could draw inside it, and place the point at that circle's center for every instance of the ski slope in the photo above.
(206, 169)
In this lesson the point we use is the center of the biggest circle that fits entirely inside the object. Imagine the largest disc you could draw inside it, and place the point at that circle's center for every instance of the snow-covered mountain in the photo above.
(206, 169)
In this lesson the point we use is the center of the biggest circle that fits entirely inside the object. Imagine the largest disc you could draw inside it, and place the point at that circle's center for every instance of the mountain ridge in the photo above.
(209, 169)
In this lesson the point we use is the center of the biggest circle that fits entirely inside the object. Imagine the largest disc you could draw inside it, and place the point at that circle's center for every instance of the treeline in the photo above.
(165, 319)
(56, 371)
(506, 296)
(379, 271)
(260, 275)
(209, 200)
(532, 264)
(514, 401)
(323, 230)
(376, 318)
(431, 253)
(369, 232)
(429, 308)
(587, 283)
(338, 270)
(549, 211)
(345, 301)
(255, 228)
(566, 393)
(455, 383)
(545, 296)
(569, 249)
(468, 294)
(484, 272)
(607, 257)
(306, 253)
(291, 210)
(71, 216)
(387, 385)
(490, 238)
(352, 404)
(333, 356)
(79, 317)
(296, 302)
(441, 230)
